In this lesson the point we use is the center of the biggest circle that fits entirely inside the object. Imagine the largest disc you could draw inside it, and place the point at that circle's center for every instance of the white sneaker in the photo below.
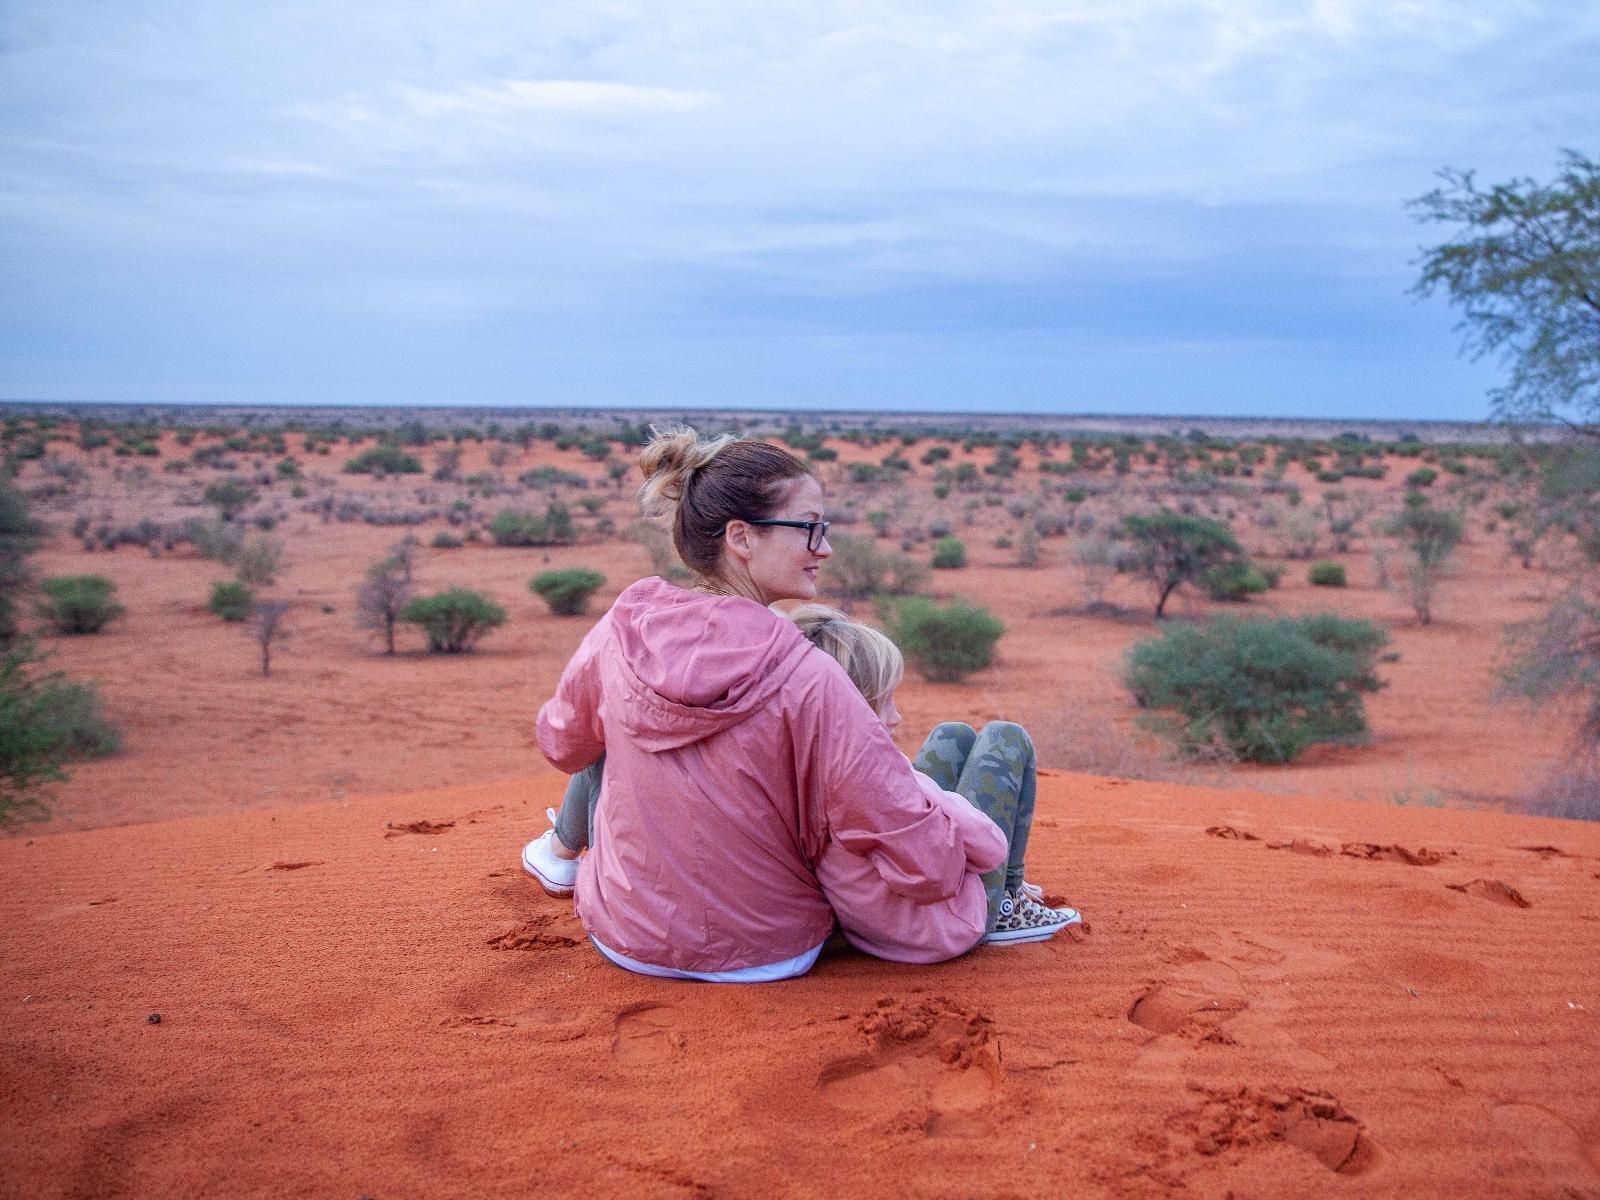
(556, 875)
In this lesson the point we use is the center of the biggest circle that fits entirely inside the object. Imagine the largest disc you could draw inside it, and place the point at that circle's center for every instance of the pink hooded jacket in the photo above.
(736, 753)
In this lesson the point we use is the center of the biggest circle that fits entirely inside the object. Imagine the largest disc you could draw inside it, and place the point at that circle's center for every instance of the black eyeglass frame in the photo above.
(816, 531)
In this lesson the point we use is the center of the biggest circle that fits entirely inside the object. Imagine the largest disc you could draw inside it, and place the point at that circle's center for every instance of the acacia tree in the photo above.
(386, 591)
(1171, 549)
(1525, 272)
(267, 628)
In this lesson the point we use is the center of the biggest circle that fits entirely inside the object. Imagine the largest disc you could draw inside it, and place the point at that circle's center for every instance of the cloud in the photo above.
(509, 97)
(1150, 170)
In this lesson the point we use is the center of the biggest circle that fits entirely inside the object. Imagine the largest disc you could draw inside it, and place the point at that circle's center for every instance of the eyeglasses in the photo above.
(815, 530)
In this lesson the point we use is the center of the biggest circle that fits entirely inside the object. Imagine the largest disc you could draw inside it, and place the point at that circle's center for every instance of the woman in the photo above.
(733, 751)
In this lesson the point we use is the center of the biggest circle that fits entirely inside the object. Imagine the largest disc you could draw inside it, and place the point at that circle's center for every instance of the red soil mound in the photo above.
(344, 1012)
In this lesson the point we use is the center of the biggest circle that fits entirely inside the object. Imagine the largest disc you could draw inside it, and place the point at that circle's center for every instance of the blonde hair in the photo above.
(706, 484)
(869, 656)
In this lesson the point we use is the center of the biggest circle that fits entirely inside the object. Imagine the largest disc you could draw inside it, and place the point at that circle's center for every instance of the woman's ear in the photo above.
(737, 538)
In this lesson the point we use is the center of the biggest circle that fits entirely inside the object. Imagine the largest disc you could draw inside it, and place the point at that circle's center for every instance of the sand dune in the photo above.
(1278, 996)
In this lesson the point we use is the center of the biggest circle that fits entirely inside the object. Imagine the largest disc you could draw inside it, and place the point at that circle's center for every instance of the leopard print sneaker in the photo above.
(1024, 919)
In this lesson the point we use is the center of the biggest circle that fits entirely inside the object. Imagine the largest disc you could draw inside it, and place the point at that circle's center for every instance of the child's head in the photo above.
(871, 660)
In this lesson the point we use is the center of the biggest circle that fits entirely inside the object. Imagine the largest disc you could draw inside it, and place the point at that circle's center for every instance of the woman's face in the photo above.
(774, 559)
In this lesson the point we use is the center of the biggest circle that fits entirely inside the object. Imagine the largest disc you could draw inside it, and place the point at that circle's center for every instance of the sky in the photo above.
(1096, 206)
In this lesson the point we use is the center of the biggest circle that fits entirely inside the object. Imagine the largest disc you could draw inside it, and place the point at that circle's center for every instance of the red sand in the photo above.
(348, 1008)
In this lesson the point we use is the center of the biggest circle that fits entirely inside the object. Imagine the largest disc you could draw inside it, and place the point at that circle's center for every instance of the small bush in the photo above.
(567, 591)
(1326, 574)
(384, 459)
(76, 604)
(515, 527)
(1234, 581)
(945, 644)
(231, 599)
(1264, 690)
(546, 477)
(46, 721)
(445, 540)
(454, 620)
(216, 540)
(230, 496)
(1422, 477)
(259, 560)
(949, 553)
(859, 570)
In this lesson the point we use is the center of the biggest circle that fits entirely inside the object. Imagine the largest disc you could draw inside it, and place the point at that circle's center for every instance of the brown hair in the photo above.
(709, 483)
(869, 656)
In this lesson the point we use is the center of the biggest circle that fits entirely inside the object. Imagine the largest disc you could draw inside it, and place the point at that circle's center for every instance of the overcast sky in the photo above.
(1092, 205)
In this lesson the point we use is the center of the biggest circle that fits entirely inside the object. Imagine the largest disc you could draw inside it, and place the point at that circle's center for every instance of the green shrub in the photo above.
(1422, 477)
(948, 553)
(945, 644)
(46, 721)
(76, 604)
(231, 599)
(567, 591)
(547, 477)
(445, 540)
(859, 570)
(384, 459)
(229, 496)
(1327, 574)
(1263, 689)
(517, 527)
(21, 534)
(1235, 581)
(454, 620)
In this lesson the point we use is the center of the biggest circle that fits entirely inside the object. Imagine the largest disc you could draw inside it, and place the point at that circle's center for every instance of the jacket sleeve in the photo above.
(872, 802)
(985, 844)
(570, 732)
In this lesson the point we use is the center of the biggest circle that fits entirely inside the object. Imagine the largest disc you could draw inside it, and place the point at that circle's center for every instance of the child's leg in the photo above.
(575, 821)
(999, 777)
(945, 753)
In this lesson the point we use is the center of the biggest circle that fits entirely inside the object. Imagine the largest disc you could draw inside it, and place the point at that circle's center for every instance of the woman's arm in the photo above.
(870, 798)
(985, 843)
(570, 732)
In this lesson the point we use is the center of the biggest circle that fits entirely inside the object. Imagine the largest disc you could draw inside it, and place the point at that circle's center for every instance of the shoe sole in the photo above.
(1040, 933)
(556, 891)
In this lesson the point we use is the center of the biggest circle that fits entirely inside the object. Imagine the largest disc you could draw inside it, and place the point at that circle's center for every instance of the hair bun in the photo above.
(670, 458)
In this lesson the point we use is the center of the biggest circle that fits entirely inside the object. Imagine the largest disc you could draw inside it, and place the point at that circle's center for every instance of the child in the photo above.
(965, 773)
(984, 781)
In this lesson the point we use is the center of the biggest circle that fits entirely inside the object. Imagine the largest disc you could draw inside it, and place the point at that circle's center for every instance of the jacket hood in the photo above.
(697, 663)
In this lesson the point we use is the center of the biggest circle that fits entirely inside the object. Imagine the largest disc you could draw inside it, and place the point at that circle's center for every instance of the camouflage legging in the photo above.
(995, 771)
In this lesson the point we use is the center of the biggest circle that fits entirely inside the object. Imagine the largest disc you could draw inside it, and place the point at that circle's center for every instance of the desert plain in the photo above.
(1368, 972)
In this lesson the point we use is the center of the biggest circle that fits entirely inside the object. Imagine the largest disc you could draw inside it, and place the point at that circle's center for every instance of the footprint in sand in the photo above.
(546, 931)
(1493, 891)
(553, 1022)
(1231, 1121)
(1543, 1143)
(425, 827)
(1105, 835)
(1229, 833)
(934, 1058)
(1200, 998)
(648, 1033)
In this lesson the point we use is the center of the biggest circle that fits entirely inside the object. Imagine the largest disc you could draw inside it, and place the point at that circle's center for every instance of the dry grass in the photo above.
(1570, 791)
(1069, 738)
